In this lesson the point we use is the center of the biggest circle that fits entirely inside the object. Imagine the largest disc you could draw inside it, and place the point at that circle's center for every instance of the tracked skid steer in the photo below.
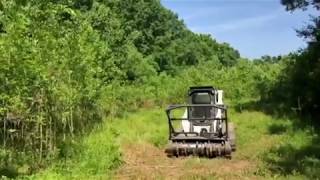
(200, 128)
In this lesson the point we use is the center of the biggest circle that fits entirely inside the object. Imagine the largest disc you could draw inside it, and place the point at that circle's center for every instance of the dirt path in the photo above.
(141, 133)
(145, 161)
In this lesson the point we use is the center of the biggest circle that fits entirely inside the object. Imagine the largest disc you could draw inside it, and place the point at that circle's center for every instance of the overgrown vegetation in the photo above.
(67, 64)
(299, 84)
(67, 67)
(268, 147)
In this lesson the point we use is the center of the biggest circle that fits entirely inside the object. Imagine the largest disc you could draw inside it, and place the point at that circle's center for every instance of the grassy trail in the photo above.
(144, 155)
(267, 148)
(143, 135)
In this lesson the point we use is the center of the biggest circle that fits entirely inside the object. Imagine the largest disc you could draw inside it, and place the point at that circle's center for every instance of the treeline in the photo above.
(298, 86)
(65, 65)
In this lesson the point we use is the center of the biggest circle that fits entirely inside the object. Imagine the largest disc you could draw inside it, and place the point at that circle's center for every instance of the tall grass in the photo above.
(276, 147)
(143, 126)
(94, 157)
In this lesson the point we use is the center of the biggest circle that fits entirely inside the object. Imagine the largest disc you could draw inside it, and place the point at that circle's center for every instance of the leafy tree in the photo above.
(66, 64)
(299, 85)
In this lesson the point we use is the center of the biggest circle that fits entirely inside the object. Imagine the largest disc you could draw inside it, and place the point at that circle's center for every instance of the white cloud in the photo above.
(203, 12)
(237, 24)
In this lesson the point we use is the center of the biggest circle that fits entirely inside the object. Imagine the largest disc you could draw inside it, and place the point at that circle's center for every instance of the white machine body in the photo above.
(186, 123)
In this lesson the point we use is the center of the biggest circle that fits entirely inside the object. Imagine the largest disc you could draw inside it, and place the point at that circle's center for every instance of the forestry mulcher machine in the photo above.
(203, 130)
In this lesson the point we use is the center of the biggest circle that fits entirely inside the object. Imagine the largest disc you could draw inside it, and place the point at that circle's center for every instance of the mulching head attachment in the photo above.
(209, 150)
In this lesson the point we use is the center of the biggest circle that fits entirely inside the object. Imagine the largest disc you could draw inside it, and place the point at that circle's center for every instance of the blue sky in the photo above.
(254, 27)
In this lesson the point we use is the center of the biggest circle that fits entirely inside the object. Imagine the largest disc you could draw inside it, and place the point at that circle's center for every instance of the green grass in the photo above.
(278, 147)
(143, 126)
(283, 148)
(93, 158)
(99, 153)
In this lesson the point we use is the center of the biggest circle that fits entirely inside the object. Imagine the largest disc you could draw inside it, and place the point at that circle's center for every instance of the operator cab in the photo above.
(204, 95)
